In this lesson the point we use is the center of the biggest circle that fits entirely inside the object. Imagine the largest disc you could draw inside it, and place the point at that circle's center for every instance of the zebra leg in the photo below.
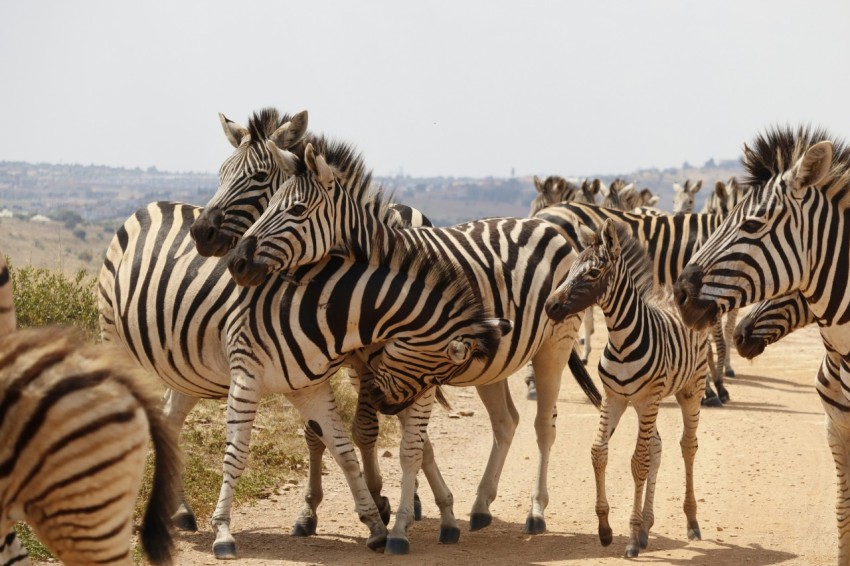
(12, 551)
(504, 419)
(710, 398)
(612, 410)
(549, 364)
(449, 530)
(719, 361)
(832, 384)
(530, 382)
(728, 337)
(690, 405)
(364, 431)
(317, 407)
(308, 519)
(649, 500)
(176, 407)
(414, 420)
(647, 416)
(587, 332)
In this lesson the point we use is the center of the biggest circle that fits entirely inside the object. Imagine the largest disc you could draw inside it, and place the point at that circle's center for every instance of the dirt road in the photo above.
(765, 483)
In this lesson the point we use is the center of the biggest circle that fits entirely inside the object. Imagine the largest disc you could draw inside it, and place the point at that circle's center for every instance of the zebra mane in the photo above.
(262, 124)
(778, 149)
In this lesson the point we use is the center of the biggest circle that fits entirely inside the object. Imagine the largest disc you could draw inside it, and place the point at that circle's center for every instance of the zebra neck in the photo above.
(623, 306)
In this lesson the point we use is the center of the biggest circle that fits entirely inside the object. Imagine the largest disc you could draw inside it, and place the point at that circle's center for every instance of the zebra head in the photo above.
(247, 178)
(589, 276)
(291, 231)
(769, 321)
(683, 197)
(552, 190)
(769, 245)
(406, 368)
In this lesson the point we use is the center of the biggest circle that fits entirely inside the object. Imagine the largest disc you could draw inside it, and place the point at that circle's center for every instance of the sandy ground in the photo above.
(765, 483)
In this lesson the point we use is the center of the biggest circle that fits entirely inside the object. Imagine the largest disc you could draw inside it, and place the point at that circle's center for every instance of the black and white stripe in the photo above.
(770, 321)
(650, 355)
(790, 233)
(75, 420)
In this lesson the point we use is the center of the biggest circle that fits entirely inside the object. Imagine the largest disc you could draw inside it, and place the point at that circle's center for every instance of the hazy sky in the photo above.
(434, 88)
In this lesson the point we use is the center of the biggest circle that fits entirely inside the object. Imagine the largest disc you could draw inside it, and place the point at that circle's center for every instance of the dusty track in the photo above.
(765, 482)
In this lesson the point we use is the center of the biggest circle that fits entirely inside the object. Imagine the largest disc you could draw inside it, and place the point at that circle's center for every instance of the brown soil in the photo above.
(765, 483)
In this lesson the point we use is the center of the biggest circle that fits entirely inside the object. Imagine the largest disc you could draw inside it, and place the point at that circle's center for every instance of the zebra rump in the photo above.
(75, 420)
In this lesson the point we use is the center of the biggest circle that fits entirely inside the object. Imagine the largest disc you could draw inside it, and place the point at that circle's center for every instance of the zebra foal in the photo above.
(769, 322)
(75, 420)
(650, 355)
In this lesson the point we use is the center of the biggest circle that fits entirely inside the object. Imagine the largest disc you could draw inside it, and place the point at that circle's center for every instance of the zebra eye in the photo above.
(260, 176)
(593, 273)
(752, 225)
(297, 209)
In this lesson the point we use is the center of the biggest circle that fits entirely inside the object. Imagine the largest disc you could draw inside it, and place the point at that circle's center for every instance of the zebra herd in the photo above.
(300, 265)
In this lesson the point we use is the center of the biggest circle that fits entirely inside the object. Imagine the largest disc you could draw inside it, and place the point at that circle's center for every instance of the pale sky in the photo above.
(454, 88)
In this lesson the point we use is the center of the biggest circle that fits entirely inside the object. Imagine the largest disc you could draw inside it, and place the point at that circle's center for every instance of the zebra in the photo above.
(670, 241)
(247, 180)
(789, 233)
(512, 263)
(206, 337)
(620, 196)
(770, 321)
(75, 419)
(553, 190)
(8, 321)
(650, 355)
(683, 196)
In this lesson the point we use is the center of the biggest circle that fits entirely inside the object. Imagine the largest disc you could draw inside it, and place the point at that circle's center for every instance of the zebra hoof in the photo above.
(185, 521)
(724, 396)
(730, 372)
(225, 550)
(377, 542)
(712, 401)
(384, 508)
(417, 507)
(643, 538)
(398, 546)
(304, 527)
(606, 535)
(694, 533)
(480, 520)
(534, 525)
(632, 551)
(449, 535)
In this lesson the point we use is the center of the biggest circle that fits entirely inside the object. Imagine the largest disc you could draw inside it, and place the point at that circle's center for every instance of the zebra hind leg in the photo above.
(641, 462)
(728, 336)
(649, 500)
(176, 407)
(308, 519)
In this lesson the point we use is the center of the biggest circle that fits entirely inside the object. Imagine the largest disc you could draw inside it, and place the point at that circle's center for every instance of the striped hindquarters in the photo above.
(75, 421)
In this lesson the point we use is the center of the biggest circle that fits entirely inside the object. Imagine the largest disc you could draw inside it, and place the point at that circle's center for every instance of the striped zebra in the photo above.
(512, 263)
(770, 321)
(684, 195)
(247, 180)
(790, 233)
(670, 241)
(206, 337)
(552, 189)
(650, 355)
(75, 419)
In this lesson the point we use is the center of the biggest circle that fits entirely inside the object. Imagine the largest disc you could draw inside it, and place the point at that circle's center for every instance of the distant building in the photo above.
(6, 213)
(40, 218)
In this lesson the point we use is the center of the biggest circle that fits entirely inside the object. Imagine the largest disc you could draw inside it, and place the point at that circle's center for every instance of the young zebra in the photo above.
(683, 196)
(75, 421)
(670, 240)
(790, 233)
(511, 263)
(770, 321)
(205, 337)
(650, 355)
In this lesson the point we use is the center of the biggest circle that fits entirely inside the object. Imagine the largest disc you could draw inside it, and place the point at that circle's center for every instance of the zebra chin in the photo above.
(561, 305)
(746, 344)
(697, 313)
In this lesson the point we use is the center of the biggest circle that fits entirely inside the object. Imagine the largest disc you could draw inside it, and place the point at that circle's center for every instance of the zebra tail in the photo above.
(156, 532)
(587, 385)
(442, 400)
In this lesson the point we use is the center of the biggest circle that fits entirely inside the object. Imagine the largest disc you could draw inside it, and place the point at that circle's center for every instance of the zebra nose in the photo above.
(241, 262)
(688, 284)
(205, 228)
(555, 309)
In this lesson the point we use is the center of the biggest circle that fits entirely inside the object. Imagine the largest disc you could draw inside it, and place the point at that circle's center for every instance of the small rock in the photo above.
(387, 454)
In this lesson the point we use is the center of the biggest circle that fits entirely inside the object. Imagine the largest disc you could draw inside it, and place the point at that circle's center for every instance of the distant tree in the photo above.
(69, 218)
(80, 234)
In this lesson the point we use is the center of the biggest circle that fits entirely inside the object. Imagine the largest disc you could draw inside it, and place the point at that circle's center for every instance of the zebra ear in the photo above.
(678, 188)
(720, 190)
(286, 160)
(610, 239)
(318, 166)
(653, 200)
(538, 184)
(697, 186)
(586, 236)
(599, 187)
(236, 134)
(291, 132)
(812, 168)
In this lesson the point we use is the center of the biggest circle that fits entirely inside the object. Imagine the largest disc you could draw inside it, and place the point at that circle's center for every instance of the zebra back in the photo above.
(75, 420)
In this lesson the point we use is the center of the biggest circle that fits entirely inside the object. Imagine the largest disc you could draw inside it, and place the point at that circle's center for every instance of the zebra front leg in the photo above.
(722, 353)
(549, 364)
(728, 337)
(365, 431)
(12, 551)
(649, 500)
(175, 408)
(612, 410)
(504, 419)
(587, 332)
(689, 403)
(414, 420)
(449, 529)
(317, 407)
(831, 380)
(308, 519)
(647, 416)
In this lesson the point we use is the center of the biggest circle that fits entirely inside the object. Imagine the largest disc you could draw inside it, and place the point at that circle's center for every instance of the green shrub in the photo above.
(45, 297)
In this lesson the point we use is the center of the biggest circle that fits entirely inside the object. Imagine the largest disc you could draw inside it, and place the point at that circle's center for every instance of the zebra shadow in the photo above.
(499, 544)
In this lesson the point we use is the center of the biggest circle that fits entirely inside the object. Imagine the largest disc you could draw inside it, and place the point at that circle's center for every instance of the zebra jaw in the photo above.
(697, 312)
